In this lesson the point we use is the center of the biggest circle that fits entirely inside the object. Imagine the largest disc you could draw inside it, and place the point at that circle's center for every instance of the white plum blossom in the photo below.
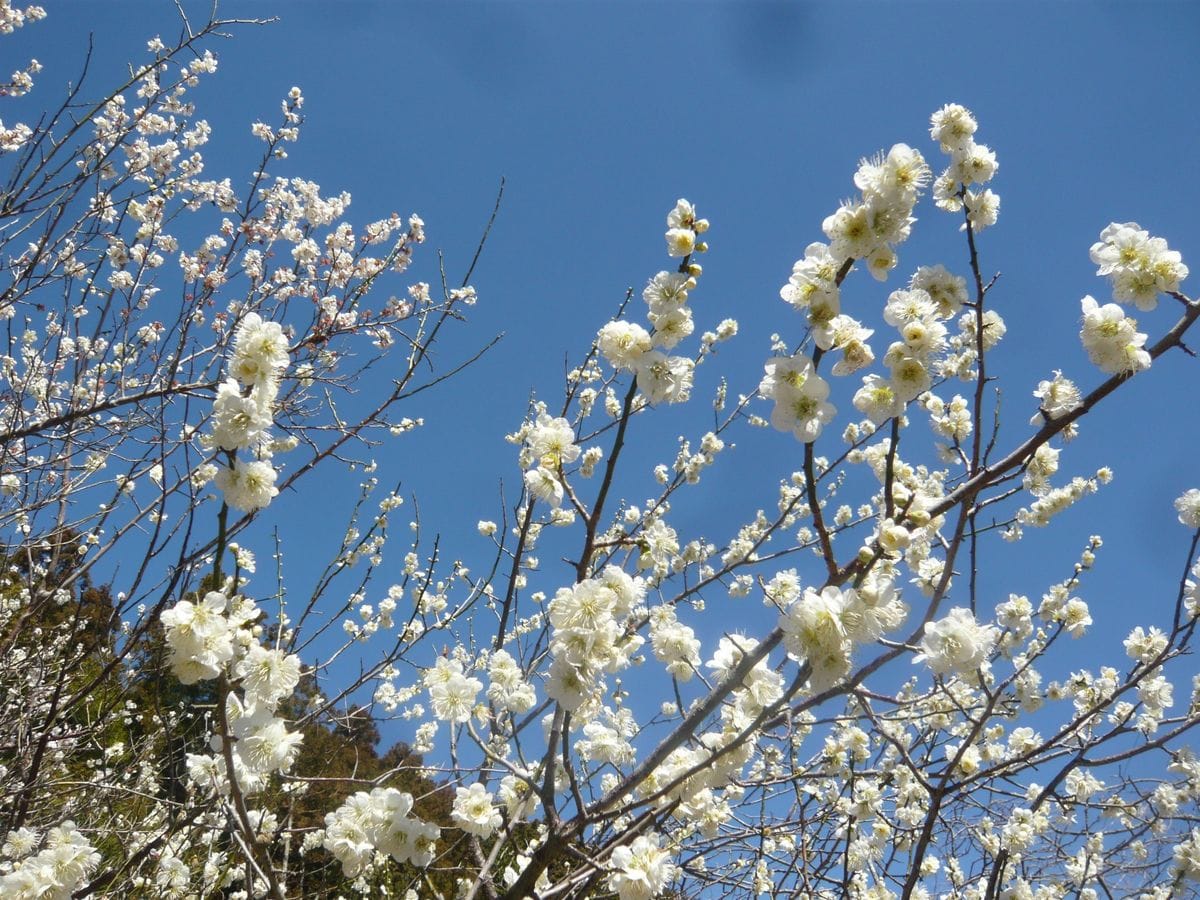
(947, 291)
(983, 208)
(1141, 267)
(551, 441)
(800, 397)
(1112, 340)
(674, 643)
(453, 693)
(260, 351)
(813, 277)
(199, 636)
(957, 643)
(249, 485)
(378, 821)
(1059, 396)
(1188, 507)
(508, 688)
(475, 811)
(814, 631)
(267, 675)
(545, 484)
(878, 400)
(56, 871)
(269, 747)
(238, 421)
(1146, 645)
(665, 379)
(641, 869)
(953, 127)
(623, 343)
(1187, 857)
(667, 291)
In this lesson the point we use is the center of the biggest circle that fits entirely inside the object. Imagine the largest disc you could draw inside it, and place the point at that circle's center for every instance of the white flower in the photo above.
(545, 485)
(551, 441)
(851, 231)
(378, 821)
(260, 351)
(475, 812)
(238, 421)
(666, 291)
(1145, 645)
(804, 411)
(953, 127)
(270, 747)
(1059, 396)
(799, 394)
(249, 485)
(268, 674)
(642, 869)
(877, 399)
(682, 215)
(680, 241)
(623, 343)
(346, 834)
(1141, 267)
(813, 630)
(973, 164)
(672, 327)
(910, 375)
(894, 179)
(453, 693)
(199, 637)
(983, 208)
(674, 643)
(56, 871)
(509, 689)
(947, 291)
(956, 643)
(665, 378)
(1187, 857)
(813, 277)
(1111, 339)
(1188, 507)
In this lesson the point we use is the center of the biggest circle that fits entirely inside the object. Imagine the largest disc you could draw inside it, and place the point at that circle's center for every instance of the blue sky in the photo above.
(599, 115)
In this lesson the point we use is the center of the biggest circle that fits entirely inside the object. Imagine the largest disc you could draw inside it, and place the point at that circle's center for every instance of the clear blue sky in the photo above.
(600, 114)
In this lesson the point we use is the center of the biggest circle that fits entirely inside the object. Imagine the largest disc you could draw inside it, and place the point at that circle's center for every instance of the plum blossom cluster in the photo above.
(242, 413)
(218, 637)
(549, 445)
(821, 628)
(863, 229)
(626, 345)
(451, 691)
(589, 636)
(800, 395)
(1112, 340)
(378, 822)
(971, 164)
(866, 229)
(957, 643)
(917, 357)
(475, 810)
(54, 872)
(642, 869)
(1057, 396)
(1141, 267)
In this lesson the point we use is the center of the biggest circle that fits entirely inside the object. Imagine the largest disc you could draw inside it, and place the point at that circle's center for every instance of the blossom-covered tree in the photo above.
(181, 350)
